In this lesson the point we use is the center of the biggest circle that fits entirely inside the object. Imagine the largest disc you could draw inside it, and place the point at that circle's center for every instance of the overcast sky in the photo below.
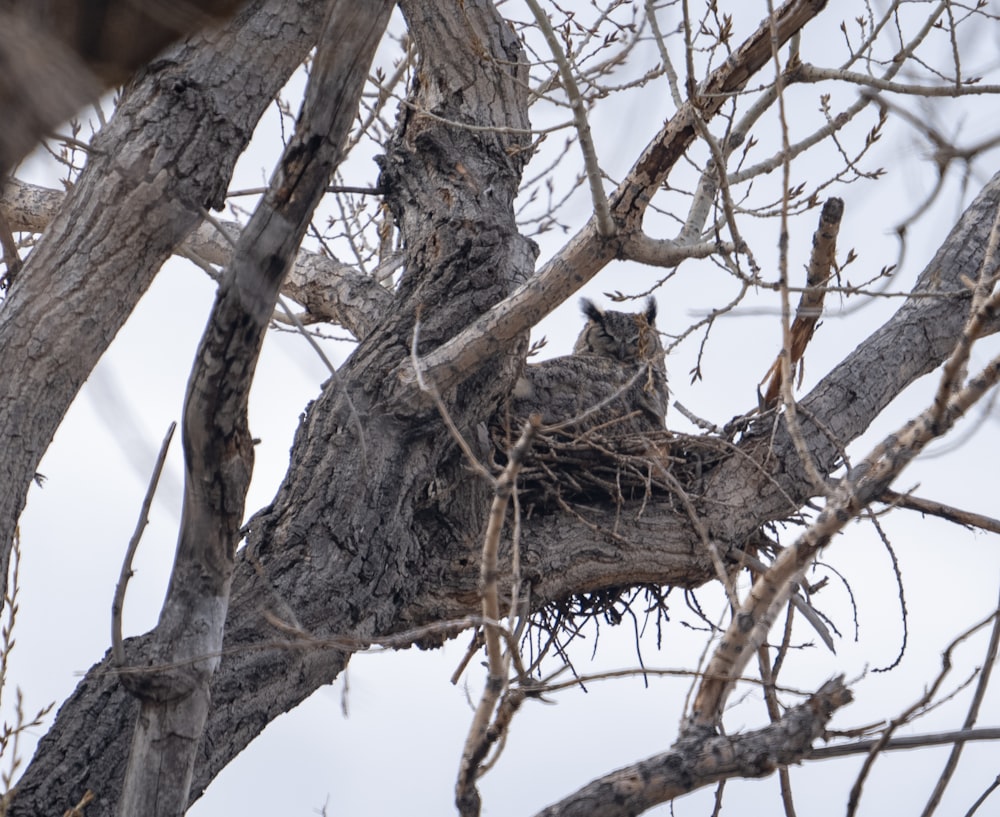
(397, 748)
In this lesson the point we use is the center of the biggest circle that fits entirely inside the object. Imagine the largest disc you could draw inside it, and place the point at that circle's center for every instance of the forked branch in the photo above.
(587, 252)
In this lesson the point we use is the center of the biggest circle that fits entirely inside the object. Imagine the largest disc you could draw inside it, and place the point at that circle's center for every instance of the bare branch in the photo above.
(477, 742)
(586, 253)
(863, 484)
(605, 225)
(810, 307)
(952, 514)
(329, 289)
(701, 759)
(117, 647)
(982, 685)
(218, 448)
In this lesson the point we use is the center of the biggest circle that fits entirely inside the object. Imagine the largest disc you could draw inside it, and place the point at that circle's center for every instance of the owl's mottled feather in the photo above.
(617, 358)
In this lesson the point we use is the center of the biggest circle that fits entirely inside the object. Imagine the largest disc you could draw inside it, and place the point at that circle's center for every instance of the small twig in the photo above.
(906, 742)
(774, 713)
(297, 323)
(785, 356)
(479, 740)
(983, 797)
(605, 224)
(970, 719)
(77, 810)
(707, 541)
(642, 371)
(904, 717)
(948, 512)
(117, 646)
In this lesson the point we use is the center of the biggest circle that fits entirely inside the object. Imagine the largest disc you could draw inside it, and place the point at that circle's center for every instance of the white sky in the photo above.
(399, 747)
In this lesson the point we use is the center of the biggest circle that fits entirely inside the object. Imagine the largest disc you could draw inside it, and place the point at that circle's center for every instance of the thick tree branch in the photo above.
(863, 484)
(218, 449)
(137, 199)
(329, 289)
(700, 759)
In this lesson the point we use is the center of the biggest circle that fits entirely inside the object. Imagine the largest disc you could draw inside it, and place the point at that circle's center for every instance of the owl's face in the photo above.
(629, 337)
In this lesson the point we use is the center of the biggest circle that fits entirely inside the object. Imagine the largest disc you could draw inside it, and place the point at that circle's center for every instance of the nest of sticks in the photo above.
(598, 466)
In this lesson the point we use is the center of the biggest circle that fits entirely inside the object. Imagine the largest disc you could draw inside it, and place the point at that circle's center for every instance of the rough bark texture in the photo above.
(463, 251)
(702, 759)
(377, 524)
(168, 153)
(218, 448)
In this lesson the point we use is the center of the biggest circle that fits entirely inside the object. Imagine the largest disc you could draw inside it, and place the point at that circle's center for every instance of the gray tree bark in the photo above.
(369, 535)
(166, 156)
(173, 684)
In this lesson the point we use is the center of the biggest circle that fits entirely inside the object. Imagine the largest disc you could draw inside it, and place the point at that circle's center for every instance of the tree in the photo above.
(399, 520)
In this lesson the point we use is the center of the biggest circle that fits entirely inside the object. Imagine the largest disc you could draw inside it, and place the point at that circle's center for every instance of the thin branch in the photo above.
(907, 742)
(605, 224)
(807, 72)
(904, 717)
(429, 389)
(863, 484)
(478, 741)
(989, 661)
(948, 512)
(117, 646)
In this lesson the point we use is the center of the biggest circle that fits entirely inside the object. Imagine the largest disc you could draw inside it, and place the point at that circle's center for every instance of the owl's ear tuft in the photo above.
(651, 310)
(593, 312)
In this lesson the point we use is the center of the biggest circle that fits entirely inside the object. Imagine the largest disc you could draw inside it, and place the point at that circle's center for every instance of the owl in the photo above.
(615, 381)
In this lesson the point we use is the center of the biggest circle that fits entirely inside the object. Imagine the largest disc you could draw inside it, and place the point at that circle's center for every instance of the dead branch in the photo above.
(117, 646)
(700, 759)
(810, 308)
(478, 742)
(947, 512)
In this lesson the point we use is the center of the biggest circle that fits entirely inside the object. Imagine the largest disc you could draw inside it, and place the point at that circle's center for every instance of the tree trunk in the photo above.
(376, 527)
(166, 156)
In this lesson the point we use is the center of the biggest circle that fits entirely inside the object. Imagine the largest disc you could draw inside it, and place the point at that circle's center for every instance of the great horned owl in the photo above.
(617, 364)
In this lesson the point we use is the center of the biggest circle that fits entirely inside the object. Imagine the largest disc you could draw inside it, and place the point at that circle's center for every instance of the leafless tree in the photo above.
(412, 508)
